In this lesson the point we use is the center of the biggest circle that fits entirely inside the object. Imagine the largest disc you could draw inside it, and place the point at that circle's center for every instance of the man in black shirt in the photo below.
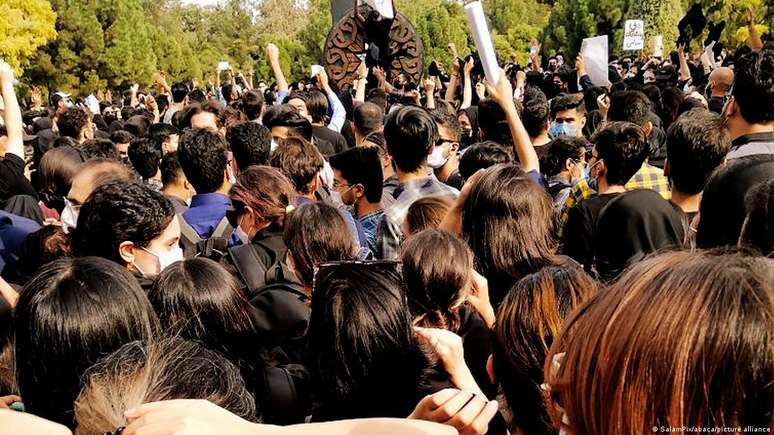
(317, 107)
(619, 151)
(12, 179)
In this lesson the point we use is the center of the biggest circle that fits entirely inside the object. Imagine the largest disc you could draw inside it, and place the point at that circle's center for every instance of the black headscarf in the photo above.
(472, 113)
(632, 226)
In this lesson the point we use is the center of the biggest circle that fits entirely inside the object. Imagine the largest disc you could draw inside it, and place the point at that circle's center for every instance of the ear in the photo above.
(647, 128)
(490, 370)
(127, 252)
(731, 107)
(454, 147)
(581, 124)
(667, 168)
(568, 164)
(315, 184)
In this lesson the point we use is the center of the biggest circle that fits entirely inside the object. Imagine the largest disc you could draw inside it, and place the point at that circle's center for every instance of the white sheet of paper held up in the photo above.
(477, 23)
(594, 52)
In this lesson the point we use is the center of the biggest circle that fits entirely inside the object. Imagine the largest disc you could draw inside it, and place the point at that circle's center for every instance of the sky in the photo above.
(200, 2)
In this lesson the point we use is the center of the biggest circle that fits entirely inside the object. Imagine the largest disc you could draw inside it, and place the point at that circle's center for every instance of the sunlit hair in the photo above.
(684, 339)
(427, 213)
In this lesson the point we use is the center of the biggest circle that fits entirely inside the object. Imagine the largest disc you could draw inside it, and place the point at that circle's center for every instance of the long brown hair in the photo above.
(681, 340)
(528, 319)
(266, 191)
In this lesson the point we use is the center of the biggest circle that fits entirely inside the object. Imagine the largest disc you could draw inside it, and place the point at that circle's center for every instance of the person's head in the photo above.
(438, 274)
(492, 124)
(378, 97)
(507, 222)
(631, 106)
(137, 125)
(166, 135)
(250, 142)
(145, 157)
(73, 312)
(411, 134)
(179, 92)
(468, 119)
(93, 174)
(758, 227)
(619, 150)
(99, 149)
(316, 233)
(297, 101)
(252, 104)
(528, 320)
(358, 175)
(483, 155)
(566, 156)
(368, 118)
(284, 122)
(207, 115)
(361, 341)
(57, 169)
(197, 299)
(448, 144)
(425, 213)
(260, 199)
(121, 140)
(202, 154)
(317, 106)
(697, 143)
(568, 116)
(752, 94)
(75, 122)
(173, 177)
(683, 339)
(720, 81)
(300, 161)
(167, 369)
(130, 224)
(534, 114)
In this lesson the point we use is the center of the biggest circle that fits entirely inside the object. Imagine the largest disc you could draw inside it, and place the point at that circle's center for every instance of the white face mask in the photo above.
(165, 258)
(436, 159)
(274, 146)
(69, 216)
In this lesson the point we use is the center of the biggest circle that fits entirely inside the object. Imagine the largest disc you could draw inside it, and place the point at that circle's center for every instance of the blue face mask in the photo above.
(562, 128)
(592, 182)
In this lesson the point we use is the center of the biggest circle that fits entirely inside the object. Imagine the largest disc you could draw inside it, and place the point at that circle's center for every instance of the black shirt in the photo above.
(336, 140)
(578, 232)
(12, 179)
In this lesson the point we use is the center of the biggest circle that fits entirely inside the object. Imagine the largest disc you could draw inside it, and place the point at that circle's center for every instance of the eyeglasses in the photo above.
(118, 431)
(442, 142)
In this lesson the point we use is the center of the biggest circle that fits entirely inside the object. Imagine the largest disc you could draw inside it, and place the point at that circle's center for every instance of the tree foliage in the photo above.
(25, 25)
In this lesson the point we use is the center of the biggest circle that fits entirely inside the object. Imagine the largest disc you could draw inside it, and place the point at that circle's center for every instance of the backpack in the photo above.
(214, 247)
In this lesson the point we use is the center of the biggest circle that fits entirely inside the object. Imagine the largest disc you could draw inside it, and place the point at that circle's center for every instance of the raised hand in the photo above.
(469, 66)
(272, 52)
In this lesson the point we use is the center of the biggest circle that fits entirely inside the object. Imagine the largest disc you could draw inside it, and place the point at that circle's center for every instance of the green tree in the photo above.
(438, 22)
(25, 26)
(128, 51)
(569, 23)
(515, 23)
(660, 17)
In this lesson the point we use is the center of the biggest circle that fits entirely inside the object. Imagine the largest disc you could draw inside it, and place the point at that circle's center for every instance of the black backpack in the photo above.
(214, 247)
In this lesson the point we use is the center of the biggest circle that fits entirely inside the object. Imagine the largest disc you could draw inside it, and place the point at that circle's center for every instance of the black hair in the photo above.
(118, 212)
(179, 92)
(145, 155)
(563, 102)
(317, 105)
(162, 130)
(411, 133)
(758, 229)
(623, 147)
(753, 89)
(197, 96)
(252, 104)
(121, 136)
(368, 118)
(138, 125)
(99, 149)
(250, 142)
(559, 150)
(361, 341)
(213, 107)
(534, 114)
(202, 154)
(361, 165)
(72, 122)
(492, 123)
(697, 143)
(481, 156)
(590, 96)
(449, 121)
(55, 172)
(170, 168)
(72, 313)
(285, 116)
(629, 106)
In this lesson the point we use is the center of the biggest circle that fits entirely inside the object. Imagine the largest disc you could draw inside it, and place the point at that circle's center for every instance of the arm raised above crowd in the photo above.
(755, 39)
(272, 55)
(12, 113)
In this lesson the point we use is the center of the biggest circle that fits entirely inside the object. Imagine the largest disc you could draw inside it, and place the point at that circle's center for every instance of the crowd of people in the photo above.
(533, 256)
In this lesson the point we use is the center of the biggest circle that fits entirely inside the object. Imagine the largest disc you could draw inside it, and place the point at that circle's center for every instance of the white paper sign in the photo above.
(316, 69)
(657, 45)
(477, 23)
(594, 52)
(634, 35)
(223, 65)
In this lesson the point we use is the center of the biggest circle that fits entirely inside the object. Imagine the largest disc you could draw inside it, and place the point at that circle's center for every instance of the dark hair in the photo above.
(623, 147)
(197, 95)
(528, 319)
(507, 221)
(629, 106)
(252, 104)
(266, 191)
(563, 102)
(483, 155)
(697, 143)
(103, 171)
(99, 149)
(299, 160)
(142, 372)
(179, 92)
(492, 123)
(534, 115)
(73, 312)
(137, 125)
(56, 172)
(202, 154)
(170, 168)
(117, 212)
(427, 213)
(317, 105)
(714, 314)
(145, 156)
(162, 131)
(758, 229)
(316, 233)
(559, 150)
(250, 142)
(121, 136)
(209, 106)
(41, 247)
(376, 138)
(361, 165)
(590, 96)
(411, 134)
(72, 122)
(437, 272)
(285, 116)
(378, 97)
(753, 88)
(449, 121)
(368, 118)
(361, 341)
